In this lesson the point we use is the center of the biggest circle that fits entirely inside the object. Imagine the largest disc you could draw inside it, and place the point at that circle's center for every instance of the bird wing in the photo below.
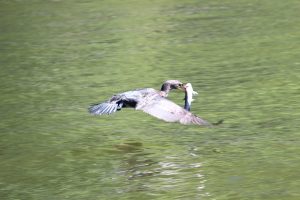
(168, 111)
(114, 104)
(103, 108)
(121, 100)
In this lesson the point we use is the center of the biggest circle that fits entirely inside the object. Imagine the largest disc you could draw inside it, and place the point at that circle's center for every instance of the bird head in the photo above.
(172, 84)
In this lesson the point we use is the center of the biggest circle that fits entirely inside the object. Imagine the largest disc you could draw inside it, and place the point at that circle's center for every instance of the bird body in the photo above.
(149, 101)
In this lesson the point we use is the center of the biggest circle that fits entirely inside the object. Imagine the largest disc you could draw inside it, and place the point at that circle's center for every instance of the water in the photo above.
(58, 57)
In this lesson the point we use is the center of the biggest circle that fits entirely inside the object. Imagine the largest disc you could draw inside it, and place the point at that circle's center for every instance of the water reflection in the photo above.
(144, 171)
(134, 163)
(129, 147)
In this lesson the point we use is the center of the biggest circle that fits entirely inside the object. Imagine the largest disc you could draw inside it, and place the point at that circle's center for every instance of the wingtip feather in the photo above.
(103, 108)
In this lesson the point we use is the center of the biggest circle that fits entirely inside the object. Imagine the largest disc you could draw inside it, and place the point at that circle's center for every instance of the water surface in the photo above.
(58, 57)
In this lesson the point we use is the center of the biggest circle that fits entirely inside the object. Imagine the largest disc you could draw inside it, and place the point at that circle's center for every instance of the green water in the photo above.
(58, 57)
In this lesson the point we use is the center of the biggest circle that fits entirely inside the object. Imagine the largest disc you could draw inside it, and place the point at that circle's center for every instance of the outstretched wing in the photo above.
(103, 108)
(112, 105)
(168, 111)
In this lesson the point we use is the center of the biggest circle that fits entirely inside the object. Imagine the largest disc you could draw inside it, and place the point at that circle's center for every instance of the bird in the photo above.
(152, 102)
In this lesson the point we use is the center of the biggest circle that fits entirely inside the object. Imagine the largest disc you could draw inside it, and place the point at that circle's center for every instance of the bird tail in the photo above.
(103, 108)
(202, 122)
(194, 119)
(197, 120)
(218, 122)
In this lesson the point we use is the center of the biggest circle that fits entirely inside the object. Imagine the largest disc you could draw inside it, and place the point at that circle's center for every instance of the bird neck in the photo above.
(165, 89)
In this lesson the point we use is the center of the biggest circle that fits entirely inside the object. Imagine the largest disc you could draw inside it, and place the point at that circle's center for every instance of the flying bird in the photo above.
(154, 103)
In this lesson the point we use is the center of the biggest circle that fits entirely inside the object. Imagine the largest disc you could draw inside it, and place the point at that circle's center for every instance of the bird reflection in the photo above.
(129, 147)
(145, 171)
